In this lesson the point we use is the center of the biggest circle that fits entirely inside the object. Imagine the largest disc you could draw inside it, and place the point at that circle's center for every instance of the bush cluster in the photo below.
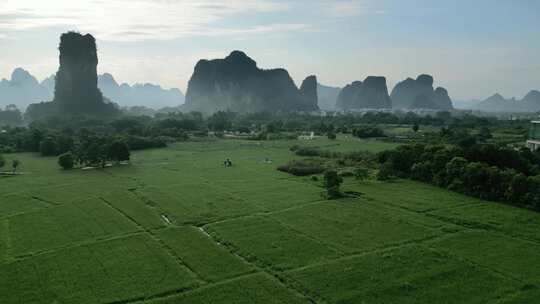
(301, 167)
(485, 171)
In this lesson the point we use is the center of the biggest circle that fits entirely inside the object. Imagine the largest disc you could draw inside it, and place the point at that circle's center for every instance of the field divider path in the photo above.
(276, 277)
(328, 245)
(182, 291)
(50, 203)
(262, 213)
(153, 236)
(484, 227)
(7, 241)
(390, 247)
(77, 244)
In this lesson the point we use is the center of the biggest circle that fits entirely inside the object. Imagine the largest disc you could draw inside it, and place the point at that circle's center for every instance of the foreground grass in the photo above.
(178, 227)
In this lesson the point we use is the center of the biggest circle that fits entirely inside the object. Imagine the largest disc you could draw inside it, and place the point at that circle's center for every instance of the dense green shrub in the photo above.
(47, 147)
(118, 151)
(308, 151)
(66, 160)
(301, 167)
(368, 132)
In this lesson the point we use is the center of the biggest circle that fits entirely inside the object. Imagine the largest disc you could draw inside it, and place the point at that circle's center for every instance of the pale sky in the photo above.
(473, 48)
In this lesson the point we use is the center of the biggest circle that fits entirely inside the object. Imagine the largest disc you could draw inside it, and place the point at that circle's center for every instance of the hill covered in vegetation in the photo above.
(236, 84)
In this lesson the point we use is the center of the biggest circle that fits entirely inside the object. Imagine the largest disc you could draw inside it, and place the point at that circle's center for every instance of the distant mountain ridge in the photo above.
(23, 89)
(146, 94)
(497, 103)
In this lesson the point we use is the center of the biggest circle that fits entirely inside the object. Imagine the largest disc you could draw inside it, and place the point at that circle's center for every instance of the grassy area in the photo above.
(176, 226)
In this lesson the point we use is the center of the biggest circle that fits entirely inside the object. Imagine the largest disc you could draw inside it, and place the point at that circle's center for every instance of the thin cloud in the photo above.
(122, 20)
(349, 8)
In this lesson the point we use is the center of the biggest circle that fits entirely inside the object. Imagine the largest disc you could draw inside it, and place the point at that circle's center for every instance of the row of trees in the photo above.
(95, 151)
(485, 171)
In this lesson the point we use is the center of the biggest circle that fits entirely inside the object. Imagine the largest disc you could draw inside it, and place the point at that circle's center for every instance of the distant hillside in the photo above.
(370, 94)
(327, 97)
(497, 103)
(235, 83)
(419, 94)
(147, 94)
(23, 89)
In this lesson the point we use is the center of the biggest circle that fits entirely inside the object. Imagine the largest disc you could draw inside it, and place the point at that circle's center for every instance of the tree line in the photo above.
(485, 171)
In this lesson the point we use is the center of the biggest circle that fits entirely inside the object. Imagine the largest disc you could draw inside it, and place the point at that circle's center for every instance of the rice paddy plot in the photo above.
(212, 261)
(198, 205)
(253, 289)
(506, 219)
(133, 207)
(410, 274)
(65, 225)
(513, 257)
(354, 226)
(15, 204)
(270, 244)
(116, 270)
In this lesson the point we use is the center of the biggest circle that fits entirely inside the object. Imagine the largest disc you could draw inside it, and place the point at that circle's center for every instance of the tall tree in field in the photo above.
(118, 151)
(332, 181)
(14, 165)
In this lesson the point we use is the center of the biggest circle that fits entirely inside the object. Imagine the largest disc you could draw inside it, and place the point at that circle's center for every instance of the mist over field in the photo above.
(349, 151)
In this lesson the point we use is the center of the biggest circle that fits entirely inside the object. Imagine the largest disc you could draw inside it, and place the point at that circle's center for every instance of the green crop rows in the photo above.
(176, 226)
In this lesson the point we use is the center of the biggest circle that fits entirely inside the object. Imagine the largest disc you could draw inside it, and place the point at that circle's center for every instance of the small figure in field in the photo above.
(227, 163)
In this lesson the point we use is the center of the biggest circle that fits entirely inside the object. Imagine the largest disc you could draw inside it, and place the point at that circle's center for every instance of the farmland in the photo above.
(176, 226)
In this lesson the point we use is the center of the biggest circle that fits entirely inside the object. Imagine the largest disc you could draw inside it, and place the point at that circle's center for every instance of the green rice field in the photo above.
(176, 226)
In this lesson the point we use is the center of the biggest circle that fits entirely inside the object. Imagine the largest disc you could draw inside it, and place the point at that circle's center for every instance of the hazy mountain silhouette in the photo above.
(22, 89)
(497, 103)
(235, 83)
(327, 97)
(419, 94)
(146, 94)
(370, 94)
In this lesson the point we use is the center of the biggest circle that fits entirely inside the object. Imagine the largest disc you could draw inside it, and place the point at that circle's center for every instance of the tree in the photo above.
(66, 160)
(331, 135)
(332, 181)
(118, 151)
(416, 127)
(2, 161)
(361, 173)
(47, 147)
(14, 165)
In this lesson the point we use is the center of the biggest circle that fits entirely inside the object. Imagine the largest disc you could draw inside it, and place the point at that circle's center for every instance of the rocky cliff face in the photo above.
(237, 84)
(75, 89)
(308, 89)
(370, 94)
(76, 80)
(419, 94)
